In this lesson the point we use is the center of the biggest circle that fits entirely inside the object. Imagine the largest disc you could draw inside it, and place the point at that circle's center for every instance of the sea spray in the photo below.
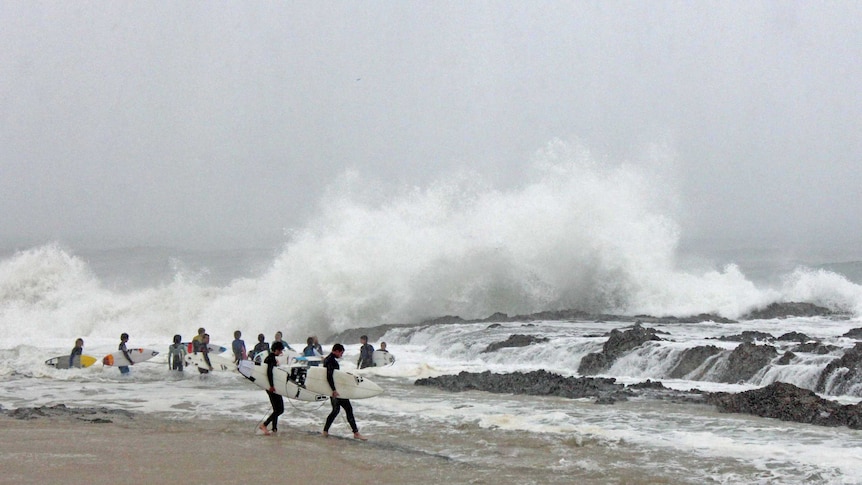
(577, 233)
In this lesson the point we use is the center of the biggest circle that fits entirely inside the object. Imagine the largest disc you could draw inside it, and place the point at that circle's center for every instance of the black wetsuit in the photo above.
(75, 351)
(331, 364)
(366, 353)
(275, 399)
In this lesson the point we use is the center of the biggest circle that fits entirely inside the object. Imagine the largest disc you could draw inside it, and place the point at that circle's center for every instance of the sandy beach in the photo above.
(142, 449)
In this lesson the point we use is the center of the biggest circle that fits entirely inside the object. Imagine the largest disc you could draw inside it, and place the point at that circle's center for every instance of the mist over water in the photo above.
(575, 234)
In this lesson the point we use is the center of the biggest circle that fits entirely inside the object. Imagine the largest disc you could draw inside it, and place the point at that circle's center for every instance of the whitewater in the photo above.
(577, 234)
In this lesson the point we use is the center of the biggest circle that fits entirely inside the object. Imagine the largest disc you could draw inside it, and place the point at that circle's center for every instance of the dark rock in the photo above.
(536, 383)
(647, 384)
(843, 373)
(516, 340)
(794, 337)
(748, 336)
(691, 359)
(786, 358)
(606, 400)
(815, 348)
(494, 325)
(788, 403)
(746, 360)
(618, 344)
(855, 333)
(788, 309)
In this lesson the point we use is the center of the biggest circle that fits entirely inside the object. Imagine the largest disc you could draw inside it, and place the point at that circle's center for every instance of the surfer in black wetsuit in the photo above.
(331, 364)
(78, 350)
(275, 399)
(260, 346)
(366, 353)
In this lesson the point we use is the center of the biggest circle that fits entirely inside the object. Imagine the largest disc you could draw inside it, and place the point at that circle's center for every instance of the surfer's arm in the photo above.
(269, 365)
(127, 356)
(330, 379)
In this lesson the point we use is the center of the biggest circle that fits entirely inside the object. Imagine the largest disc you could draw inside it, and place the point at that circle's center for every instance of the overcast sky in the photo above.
(218, 124)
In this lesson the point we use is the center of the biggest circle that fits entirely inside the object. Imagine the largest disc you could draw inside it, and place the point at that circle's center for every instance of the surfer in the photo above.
(176, 353)
(77, 350)
(317, 347)
(331, 364)
(197, 339)
(383, 347)
(238, 347)
(311, 351)
(366, 352)
(205, 349)
(124, 369)
(260, 346)
(278, 340)
(276, 400)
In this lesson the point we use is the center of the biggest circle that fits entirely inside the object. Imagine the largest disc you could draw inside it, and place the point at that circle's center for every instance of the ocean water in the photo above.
(52, 295)
(573, 236)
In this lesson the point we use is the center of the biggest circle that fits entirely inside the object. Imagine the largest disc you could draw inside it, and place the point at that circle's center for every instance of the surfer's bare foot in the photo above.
(265, 431)
(325, 434)
(359, 436)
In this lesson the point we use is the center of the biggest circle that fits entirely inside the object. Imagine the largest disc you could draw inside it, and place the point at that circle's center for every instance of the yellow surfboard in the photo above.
(62, 362)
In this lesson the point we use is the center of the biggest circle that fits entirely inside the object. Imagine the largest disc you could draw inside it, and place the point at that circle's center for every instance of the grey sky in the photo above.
(204, 124)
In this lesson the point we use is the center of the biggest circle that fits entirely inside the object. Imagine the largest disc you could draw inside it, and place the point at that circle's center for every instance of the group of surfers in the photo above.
(200, 344)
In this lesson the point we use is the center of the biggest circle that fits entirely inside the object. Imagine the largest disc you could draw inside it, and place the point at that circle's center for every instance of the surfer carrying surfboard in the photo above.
(331, 365)
(124, 369)
(276, 400)
(78, 351)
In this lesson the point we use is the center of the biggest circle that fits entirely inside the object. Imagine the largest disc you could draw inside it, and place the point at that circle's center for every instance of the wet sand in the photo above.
(147, 450)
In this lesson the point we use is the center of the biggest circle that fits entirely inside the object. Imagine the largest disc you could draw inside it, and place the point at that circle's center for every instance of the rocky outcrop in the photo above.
(745, 361)
(537, 383)
(788, 403)
(618, 344)
(691, 359)
(516, 340)
(818, 348)
(794, 337)
(855, 333)
(748, 336)
(788, 309)
(843, 373)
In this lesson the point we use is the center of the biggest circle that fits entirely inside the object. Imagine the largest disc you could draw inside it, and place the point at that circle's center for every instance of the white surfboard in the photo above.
(382, 358)
(218, 362)
(213, 348)
(348, 385)
(137, 355)
(62, 362)
(281, 380)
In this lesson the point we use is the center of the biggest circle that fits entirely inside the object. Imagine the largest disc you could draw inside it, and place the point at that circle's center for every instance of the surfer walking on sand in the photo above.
(78, 350)
(124, 369)
(331, 365)
(276, 400)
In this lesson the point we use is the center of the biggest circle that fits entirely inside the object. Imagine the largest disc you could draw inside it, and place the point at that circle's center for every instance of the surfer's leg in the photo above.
(278, 410)
(348, 409)
(329, 419)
